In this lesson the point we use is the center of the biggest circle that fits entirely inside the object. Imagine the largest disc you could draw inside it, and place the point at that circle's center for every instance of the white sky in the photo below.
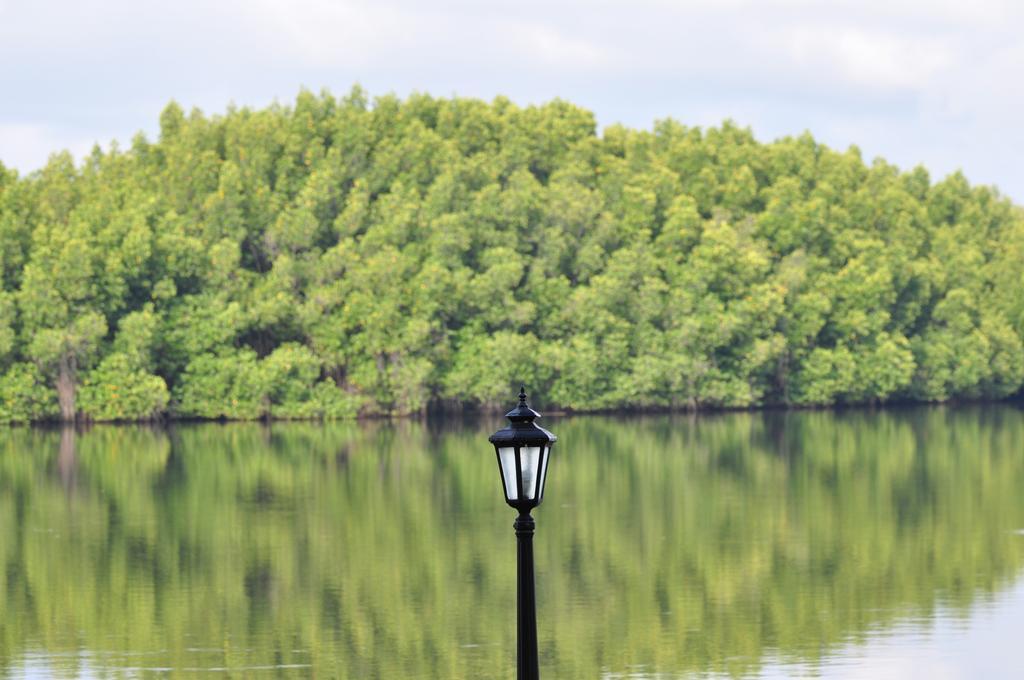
(937, 82)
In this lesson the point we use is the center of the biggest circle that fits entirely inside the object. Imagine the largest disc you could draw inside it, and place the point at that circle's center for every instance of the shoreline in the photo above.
(437, 415)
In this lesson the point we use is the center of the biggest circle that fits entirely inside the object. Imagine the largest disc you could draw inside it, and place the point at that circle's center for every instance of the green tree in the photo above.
(403, 252)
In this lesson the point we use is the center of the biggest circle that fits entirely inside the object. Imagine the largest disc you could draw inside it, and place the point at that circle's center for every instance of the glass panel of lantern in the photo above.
(546, 451)
(507, 458)
(533, 464)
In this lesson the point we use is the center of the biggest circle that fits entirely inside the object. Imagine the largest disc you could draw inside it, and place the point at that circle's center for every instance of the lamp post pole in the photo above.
(523, 450)
(526, 601)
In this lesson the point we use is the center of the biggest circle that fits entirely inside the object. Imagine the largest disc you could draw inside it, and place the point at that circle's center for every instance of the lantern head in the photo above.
(523, 450)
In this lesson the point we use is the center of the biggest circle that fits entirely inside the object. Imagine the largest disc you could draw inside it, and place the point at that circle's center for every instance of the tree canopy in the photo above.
(340, 256)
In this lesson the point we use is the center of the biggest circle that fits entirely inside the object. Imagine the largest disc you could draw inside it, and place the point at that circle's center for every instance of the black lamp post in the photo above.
(523, 450)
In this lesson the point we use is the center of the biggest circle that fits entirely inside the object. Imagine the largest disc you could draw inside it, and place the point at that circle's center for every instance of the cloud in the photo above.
(27, 146)
(355, 34)
(871, 58)
(326, 33)
(934, 81)
(550, 48)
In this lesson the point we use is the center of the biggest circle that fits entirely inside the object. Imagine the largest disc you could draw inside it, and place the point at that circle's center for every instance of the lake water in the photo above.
(855, 544)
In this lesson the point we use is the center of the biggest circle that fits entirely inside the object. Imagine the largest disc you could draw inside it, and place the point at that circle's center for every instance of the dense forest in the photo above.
(341, 257)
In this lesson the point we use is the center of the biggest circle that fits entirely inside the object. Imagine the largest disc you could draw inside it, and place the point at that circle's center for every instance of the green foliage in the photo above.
(484, 367)
(118, 390)
(7, 327)
(24, 396)
(239, 385)
(228, 385)
(80, 338)
(405, 253)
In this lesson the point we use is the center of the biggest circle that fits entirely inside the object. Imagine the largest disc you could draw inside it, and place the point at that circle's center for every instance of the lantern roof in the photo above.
(521, 430)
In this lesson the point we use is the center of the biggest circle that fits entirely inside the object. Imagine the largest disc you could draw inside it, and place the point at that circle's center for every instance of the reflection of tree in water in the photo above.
(67, 462)
(684, 544)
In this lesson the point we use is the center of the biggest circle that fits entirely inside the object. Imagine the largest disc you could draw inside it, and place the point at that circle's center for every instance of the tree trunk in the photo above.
(66, 388)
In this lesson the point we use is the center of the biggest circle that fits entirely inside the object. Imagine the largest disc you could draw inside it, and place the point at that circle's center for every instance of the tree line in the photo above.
(340, 257)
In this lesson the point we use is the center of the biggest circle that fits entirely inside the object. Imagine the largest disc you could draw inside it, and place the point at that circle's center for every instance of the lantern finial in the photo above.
(522, 413)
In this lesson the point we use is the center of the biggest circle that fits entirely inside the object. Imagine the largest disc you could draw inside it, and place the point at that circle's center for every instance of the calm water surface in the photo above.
(839, 545)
